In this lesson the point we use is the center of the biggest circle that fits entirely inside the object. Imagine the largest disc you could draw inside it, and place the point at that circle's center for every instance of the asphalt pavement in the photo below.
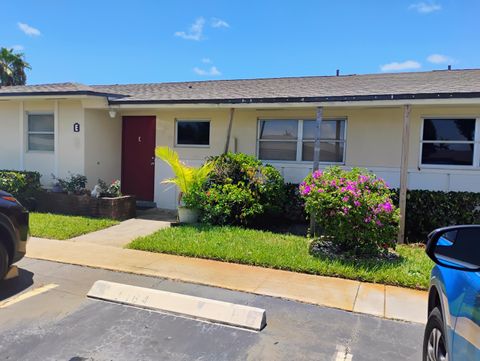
(45, 315)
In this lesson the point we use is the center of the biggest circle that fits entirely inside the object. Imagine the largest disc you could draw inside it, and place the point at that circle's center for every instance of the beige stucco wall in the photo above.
(9, 135)
(71, 145)
(14, 153)
(374, 141)
(103, 142)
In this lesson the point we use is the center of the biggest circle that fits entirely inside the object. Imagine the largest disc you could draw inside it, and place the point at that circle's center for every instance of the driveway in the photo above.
(55, 321)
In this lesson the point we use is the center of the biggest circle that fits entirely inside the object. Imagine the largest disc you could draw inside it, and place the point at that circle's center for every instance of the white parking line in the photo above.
(342, 354)
(23, 296)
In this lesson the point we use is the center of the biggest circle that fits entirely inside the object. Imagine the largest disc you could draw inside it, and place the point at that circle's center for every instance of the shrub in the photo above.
(21, 184)
(239, 189)
(294, 205)
(427, 210)
(75, 183)
(353, 208)
(112, 190)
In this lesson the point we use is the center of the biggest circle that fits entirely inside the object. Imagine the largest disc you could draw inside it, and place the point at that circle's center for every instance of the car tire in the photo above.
(434, 342)
(4, 261)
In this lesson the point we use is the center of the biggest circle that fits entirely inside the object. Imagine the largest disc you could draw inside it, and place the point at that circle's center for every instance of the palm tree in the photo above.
(186, 177)
(12, 68)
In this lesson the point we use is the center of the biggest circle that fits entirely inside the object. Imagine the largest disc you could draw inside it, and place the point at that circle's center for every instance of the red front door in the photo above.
(138, 156)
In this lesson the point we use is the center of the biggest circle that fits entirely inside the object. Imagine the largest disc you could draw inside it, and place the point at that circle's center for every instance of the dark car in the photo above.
(453, 328)
(13, 232)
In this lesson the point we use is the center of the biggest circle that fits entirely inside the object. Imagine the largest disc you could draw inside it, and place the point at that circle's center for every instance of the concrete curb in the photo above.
(374, 299)
(196, 307)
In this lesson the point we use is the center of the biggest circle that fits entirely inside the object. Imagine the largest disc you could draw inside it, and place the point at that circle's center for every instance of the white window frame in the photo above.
(475, 142)
(29, 132)
(193, 121)
(299, 141)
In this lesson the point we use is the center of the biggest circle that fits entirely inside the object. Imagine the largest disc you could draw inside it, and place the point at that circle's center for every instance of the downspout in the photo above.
(229, 131)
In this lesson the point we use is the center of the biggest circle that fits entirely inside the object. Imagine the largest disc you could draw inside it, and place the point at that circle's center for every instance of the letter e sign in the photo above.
(76, 127)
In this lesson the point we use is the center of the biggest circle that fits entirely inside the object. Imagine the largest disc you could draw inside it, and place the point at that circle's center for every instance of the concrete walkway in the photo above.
(123, 233)
(379, 300)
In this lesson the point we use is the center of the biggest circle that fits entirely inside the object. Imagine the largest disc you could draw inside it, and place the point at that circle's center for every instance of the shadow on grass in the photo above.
(327, 251)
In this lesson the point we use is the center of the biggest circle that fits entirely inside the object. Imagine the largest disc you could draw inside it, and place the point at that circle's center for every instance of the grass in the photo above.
(55, 226)
(287, 252)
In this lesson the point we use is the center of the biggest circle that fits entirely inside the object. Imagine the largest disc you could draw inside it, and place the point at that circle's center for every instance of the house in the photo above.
(422, 127)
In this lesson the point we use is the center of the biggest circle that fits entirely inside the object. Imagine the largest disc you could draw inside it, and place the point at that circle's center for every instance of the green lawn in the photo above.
(288, 252)
(55, 226)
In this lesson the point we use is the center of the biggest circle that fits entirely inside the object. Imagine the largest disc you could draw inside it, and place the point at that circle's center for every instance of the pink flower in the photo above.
(345, 199)
(320, 190)
(387, 207)
(317, 174)
(379, 223)
(357, 203)
(306, 190)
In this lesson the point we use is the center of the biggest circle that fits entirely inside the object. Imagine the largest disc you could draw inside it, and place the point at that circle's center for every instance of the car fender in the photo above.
(7, 225)
(450, 289)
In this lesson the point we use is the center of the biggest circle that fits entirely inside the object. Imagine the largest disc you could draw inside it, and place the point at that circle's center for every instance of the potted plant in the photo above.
(186, 179)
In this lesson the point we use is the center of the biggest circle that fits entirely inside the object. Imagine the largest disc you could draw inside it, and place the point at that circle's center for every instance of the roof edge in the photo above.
(72, 92)
(349, 98)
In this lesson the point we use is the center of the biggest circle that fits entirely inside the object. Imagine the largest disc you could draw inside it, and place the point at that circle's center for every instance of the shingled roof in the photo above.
(415, 85)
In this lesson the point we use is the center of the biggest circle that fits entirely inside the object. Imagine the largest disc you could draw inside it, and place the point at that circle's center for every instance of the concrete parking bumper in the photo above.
(206, 309)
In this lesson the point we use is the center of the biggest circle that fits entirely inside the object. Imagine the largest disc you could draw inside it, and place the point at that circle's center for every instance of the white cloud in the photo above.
(28, 30)
(396, 66)
(195, 32)
(425, 7)
(213, 71)
(206, 60)
(219, 23)
(439, 59)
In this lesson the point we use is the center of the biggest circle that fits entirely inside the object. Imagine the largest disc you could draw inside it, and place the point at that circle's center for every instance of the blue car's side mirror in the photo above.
(456, 247)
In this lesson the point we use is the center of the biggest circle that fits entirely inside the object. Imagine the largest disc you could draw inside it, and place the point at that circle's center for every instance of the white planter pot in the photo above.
(187, 215)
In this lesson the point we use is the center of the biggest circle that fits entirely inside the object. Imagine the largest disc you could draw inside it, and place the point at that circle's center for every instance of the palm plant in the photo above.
(186, 177)
(12, 68)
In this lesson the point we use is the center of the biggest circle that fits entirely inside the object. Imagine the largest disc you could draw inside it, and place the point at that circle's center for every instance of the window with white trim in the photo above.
(450, 141)
(41, 132)
(193, 132)
(293, 140)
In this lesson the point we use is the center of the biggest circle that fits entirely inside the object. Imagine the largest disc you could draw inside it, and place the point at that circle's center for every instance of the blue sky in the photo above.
(104, 42)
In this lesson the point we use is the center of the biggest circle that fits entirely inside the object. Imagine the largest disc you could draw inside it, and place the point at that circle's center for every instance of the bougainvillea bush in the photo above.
(353, 209)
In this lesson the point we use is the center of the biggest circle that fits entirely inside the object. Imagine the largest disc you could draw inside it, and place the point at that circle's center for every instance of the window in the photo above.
(293, 140)
(41, 132)
(332, 140)
(449, 142)
(278, 140)
(193, 132)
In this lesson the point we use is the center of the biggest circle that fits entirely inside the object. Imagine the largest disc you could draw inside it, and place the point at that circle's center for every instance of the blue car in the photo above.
(453, 327)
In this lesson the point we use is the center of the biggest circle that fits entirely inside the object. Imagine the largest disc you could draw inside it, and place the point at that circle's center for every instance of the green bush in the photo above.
(428, 210)
(110, 190)
(21, 184)
(238, 190)
(353, 208)
(75, 184)
(294, 205)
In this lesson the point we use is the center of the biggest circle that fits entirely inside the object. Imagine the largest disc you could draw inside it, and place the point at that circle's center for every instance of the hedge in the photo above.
(426, 210)
(22, 184)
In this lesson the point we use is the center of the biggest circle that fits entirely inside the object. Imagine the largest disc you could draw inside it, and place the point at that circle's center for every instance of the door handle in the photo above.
(139, 139)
